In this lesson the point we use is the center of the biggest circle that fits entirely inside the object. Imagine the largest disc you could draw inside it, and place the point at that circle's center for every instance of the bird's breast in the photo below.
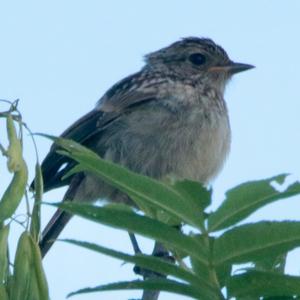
(159, 142)
(209, 146)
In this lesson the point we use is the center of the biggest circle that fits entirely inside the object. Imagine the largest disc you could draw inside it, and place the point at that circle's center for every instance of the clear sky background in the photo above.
(59, 57)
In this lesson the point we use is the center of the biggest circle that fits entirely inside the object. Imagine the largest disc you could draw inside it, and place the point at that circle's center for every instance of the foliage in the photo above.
(210, 259)
(26, 279)
(210, 254)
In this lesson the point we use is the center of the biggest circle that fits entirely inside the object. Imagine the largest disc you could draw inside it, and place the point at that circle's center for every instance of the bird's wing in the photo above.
(55, 166)
(123, 96)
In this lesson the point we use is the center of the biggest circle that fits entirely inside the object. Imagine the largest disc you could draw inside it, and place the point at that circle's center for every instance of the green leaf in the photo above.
(263, 284)
(35, 225)
(4, 231)
(205, 271)
(202, 271)
(223, 273)
(140, 187)
(252, 242)
(148, 262)
(195, 191)
(132, 222)
(272, 263)
(245, 199)
(152, 284)
(23, 264)
(3, 292)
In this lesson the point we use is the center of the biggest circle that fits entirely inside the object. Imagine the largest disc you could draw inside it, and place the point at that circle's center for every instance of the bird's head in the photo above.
(196, 59)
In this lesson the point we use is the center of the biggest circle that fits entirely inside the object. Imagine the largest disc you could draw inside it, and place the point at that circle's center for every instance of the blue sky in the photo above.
(59, 57)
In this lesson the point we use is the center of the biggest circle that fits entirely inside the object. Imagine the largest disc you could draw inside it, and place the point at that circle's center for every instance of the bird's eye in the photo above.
(197, 59)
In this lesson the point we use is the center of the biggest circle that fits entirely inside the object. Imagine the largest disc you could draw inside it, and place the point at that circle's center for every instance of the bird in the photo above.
(169, 119)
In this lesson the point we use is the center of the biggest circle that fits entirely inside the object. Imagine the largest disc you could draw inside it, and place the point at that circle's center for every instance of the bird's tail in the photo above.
(60, 217)
(53, 229)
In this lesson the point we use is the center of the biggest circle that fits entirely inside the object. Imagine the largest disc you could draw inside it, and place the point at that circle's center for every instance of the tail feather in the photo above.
(60, 217)
(53, 229)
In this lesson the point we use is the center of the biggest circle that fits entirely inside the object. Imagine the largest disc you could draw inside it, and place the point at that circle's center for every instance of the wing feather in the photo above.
(122, 97)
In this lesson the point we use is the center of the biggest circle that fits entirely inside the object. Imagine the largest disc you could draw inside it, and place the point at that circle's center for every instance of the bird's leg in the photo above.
(158, 251)
(137, 269)
(134, 243)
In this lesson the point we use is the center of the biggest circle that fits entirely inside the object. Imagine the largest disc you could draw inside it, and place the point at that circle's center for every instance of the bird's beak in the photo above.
(231, 68)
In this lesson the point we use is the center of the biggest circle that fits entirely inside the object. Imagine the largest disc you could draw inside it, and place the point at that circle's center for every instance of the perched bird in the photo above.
(168, 119)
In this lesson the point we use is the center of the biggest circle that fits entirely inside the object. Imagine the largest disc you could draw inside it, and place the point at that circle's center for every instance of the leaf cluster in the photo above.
(209, 258)
(24, 278)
